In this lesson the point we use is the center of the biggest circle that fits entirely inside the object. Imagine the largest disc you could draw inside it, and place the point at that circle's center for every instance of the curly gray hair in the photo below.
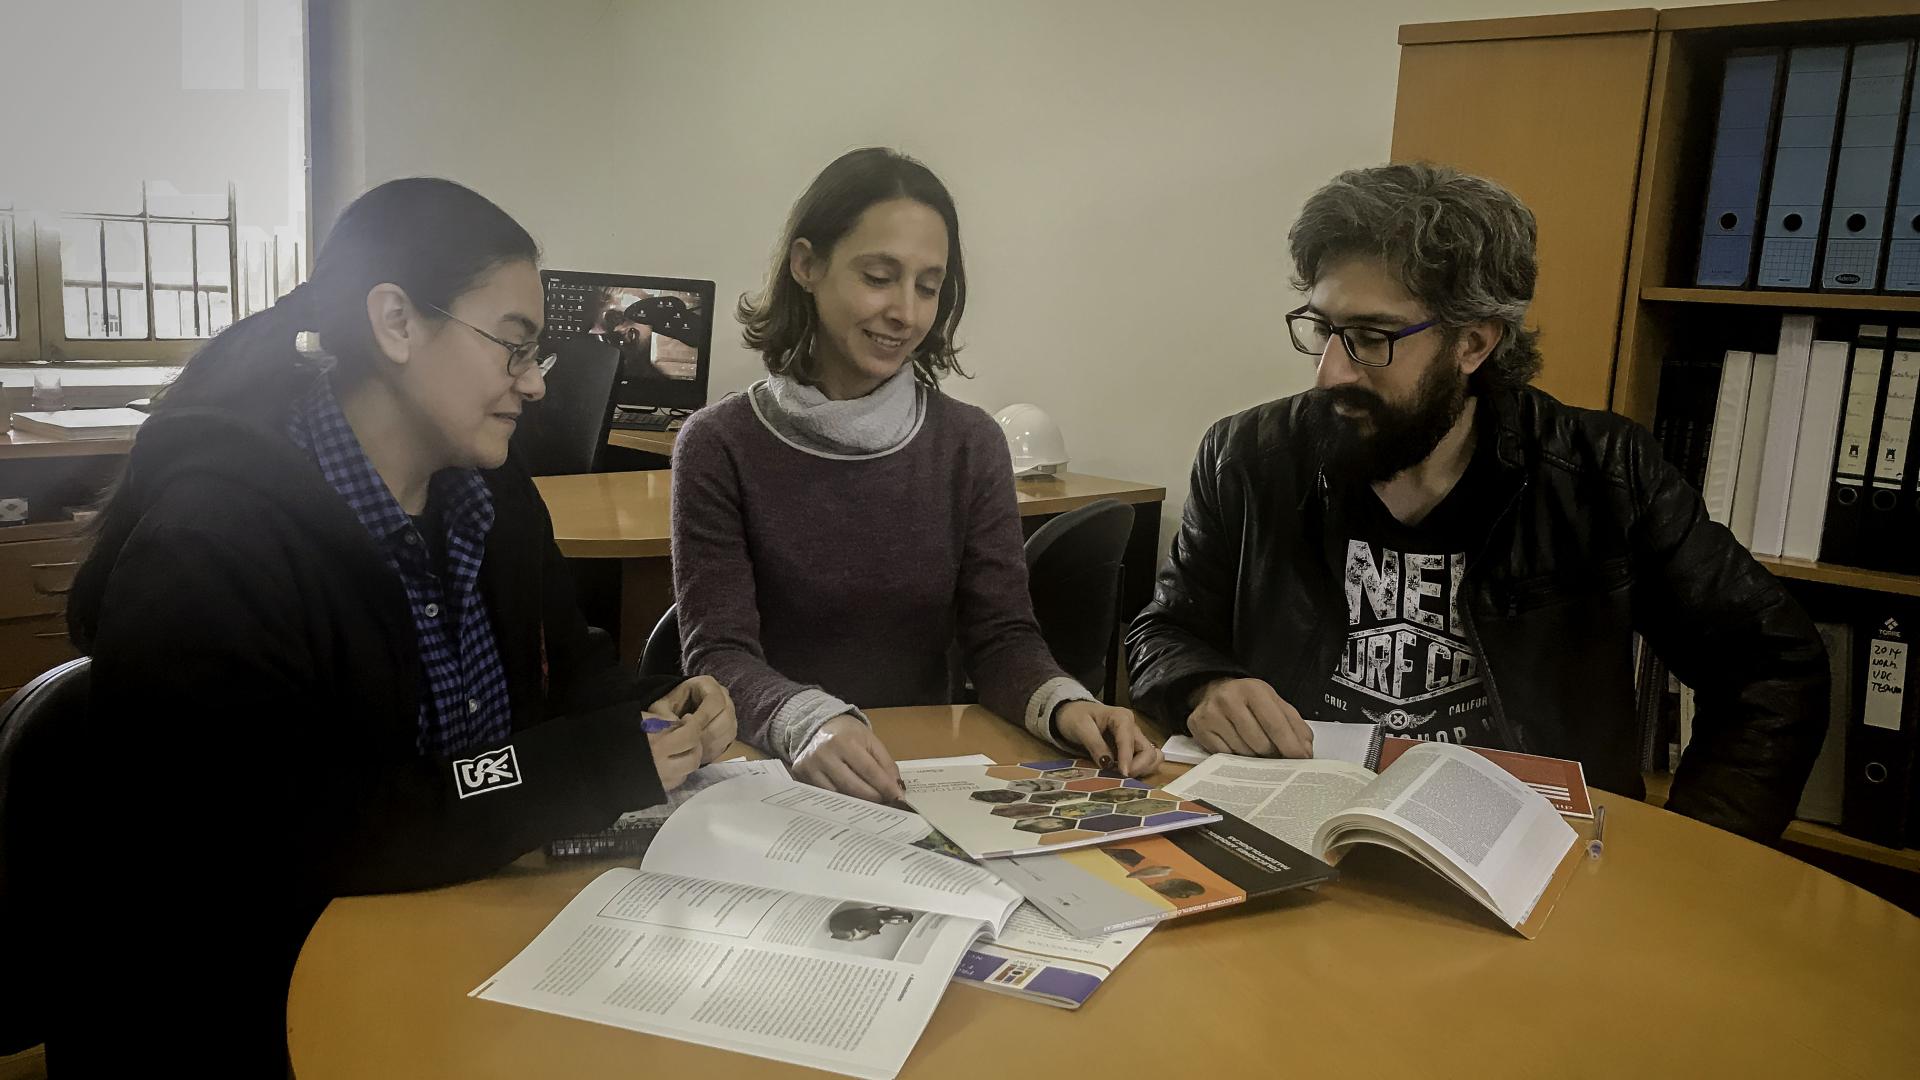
(1462, 244)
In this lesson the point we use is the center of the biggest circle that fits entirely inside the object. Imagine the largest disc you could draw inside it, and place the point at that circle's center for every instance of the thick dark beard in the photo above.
(1402, 436)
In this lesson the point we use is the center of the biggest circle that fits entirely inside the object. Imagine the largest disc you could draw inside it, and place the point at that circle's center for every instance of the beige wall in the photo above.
(1125, 171)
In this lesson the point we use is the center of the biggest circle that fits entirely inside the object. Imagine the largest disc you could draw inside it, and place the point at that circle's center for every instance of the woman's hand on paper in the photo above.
(703, 704)
(1110, 735)
(1248, 717)
(846, 756)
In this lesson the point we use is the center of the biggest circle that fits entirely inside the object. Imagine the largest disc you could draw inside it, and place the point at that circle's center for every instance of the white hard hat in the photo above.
(1033, 438)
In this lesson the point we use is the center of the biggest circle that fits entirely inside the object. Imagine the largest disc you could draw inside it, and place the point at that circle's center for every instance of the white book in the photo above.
(1333, 740)
(80, 424)
(1783, 434)
(1729, 425)
(1896, 419)
(1753, 445)
(1813, 461)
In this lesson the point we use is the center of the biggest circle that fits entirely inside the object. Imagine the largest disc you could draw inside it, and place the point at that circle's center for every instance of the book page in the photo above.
(777, 833)
(1474, 816)
(829, 984)
(1286, 798)
(1034, 958)
(1562, 781)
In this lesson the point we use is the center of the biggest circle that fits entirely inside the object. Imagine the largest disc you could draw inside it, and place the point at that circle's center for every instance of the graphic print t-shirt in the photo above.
(1407, 662)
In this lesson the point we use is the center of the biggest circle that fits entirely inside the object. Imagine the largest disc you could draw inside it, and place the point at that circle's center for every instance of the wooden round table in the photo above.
(1684, 951)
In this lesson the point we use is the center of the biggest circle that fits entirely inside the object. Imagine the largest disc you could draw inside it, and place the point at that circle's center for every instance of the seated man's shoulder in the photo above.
(1568, 438)
(1267, 428)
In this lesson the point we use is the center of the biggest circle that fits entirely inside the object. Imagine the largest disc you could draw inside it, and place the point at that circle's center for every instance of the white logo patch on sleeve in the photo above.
(491, 771)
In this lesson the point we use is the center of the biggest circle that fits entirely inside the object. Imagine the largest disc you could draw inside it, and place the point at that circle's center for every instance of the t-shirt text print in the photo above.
(1407, 662)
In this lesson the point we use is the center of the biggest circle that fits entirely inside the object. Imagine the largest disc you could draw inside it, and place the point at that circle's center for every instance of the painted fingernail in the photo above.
(1106, 762)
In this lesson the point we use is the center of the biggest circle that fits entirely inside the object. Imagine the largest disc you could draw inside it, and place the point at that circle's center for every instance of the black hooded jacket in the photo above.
(250, 745)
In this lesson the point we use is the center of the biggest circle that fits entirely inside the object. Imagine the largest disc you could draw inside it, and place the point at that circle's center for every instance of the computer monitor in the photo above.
(662, 326)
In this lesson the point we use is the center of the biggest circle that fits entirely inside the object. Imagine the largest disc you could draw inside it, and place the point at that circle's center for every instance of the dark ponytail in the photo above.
(433, 238)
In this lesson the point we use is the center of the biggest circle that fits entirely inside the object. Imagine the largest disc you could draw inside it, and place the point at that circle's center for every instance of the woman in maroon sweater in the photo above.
(838, 526)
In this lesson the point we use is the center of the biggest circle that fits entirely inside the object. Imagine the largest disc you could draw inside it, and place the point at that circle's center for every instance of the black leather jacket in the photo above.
(1597, 537)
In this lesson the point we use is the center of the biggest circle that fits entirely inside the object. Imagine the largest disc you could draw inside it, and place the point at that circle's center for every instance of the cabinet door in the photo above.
(1558, 121)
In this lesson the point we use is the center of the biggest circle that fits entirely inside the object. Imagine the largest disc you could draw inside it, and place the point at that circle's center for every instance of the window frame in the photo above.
(27, 346)
(54, 344)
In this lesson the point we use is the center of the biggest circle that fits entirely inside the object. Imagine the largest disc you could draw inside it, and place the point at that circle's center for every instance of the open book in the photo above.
(1496, 838)
(770, 918)
(788, 922)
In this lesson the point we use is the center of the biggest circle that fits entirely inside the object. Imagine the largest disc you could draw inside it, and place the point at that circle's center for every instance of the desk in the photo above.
(627, 516)
(1685, 951)
(17, 445)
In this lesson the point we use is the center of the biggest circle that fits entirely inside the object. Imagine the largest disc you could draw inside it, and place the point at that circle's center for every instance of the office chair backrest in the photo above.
(31, 724)
(565, 432)
(662, 654)
(1073, 572)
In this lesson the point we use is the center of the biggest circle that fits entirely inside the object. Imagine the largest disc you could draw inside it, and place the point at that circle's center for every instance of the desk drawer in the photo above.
(31, 646)
(35, 575)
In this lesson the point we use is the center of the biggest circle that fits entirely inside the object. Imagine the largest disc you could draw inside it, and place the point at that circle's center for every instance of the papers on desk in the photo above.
(1332, 741)
(788, 922)
(835, 985)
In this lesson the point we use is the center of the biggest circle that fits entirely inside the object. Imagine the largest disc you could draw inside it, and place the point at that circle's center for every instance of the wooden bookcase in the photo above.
(1611, 314)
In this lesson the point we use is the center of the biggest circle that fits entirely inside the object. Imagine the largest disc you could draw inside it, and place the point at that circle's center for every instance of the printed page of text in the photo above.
(835, 985)
(1287, 798)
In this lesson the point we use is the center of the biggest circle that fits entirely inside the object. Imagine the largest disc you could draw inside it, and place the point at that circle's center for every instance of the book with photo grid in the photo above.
(1023, 808)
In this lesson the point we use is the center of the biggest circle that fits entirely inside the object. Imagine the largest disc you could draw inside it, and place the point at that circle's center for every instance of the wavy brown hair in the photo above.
(778, 323)
(1460, 244)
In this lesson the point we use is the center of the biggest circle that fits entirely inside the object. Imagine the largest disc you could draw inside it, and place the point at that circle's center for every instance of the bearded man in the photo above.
(1425, 541)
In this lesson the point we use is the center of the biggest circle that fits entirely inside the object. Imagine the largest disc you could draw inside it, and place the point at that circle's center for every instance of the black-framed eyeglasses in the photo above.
(1368, 346)
(520, 354)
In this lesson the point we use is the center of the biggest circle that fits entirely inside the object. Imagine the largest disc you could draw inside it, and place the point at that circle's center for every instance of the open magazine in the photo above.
(1490, 834)
(634, 830)
(781, 920)
(770, 918)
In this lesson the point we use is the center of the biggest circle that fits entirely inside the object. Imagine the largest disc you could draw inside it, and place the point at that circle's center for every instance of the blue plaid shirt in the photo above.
(463, 704)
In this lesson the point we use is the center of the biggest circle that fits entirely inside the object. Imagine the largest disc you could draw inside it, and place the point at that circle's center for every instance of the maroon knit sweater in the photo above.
(795, 570)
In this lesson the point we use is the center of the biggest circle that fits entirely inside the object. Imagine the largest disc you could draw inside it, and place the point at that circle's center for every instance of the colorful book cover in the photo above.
(1036, 959)
(1128, 883)
(992, 811)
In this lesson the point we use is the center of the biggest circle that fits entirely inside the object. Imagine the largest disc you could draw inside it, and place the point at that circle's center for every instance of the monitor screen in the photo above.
(662, 326)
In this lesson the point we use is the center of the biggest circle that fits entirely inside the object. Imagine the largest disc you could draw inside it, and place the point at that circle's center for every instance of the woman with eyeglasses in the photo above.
(335, 649)
(842, 524)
